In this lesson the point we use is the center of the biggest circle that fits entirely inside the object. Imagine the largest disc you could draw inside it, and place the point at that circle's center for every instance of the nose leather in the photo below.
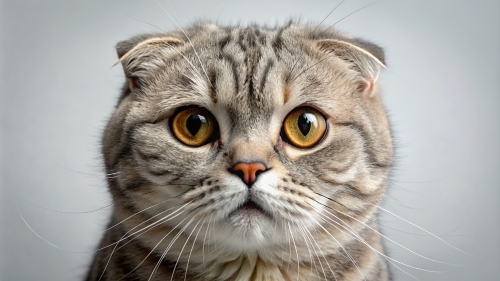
(248, 172)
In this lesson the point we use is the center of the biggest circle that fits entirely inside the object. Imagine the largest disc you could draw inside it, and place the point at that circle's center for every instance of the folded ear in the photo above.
(140, 56)
(366, 58)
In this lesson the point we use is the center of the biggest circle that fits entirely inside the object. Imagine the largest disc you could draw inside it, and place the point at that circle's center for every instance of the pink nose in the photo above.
(248, 172)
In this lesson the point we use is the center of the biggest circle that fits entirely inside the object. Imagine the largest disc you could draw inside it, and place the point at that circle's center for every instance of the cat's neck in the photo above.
(211, 262)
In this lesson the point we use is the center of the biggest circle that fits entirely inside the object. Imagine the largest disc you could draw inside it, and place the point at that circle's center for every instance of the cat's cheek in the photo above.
(295, 153)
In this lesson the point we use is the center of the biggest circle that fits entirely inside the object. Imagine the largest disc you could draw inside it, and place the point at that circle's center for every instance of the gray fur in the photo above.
(319, 202)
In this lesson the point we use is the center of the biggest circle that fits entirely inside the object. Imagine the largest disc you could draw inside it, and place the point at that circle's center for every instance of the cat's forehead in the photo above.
(249, 78)
(249, 72)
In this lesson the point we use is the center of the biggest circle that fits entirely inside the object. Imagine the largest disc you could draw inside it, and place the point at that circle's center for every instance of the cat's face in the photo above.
(257, 134)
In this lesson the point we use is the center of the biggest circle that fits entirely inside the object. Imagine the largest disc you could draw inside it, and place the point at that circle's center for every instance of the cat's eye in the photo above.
(304, 127)
(193, 126)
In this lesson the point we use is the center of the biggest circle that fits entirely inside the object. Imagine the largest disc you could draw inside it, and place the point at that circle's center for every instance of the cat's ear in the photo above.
(365, 57)
(142, 55)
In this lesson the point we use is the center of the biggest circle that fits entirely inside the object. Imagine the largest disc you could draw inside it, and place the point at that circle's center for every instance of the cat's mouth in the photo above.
(249, 206)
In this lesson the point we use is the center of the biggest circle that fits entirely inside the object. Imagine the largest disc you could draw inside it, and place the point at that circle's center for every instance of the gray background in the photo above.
(442, 92)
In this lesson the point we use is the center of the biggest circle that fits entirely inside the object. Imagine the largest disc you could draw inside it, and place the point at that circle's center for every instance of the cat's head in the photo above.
(260, 133)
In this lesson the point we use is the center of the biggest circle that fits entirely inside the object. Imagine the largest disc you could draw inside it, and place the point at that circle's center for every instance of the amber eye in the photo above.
(304, 127)
(193, 126)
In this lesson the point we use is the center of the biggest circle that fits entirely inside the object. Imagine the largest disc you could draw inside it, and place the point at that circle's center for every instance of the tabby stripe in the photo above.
(252, 61)
(240, 41)
(124, 152)
(223, 42)
(148, 157)
(368, 148)
(127, 148)
(126, 268)
(261, 37)
(159, 173)
(166, 267)
(213, 81)
(234, 67)
(378, 270)
(116, 190)
(251, 38)
(277, 43)
(128, 206)
(129, 257)
(249, 79)
(136, 184)
(134, 218)
(269, 64)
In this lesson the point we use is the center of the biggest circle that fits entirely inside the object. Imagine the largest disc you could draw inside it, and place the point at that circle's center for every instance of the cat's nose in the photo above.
(248, 172)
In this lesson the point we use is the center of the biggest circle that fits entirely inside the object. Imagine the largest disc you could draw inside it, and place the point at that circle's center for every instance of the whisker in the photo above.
(399, 203)
(335, 8)
(366, 225)
(340, 244)
(146, 23)
(295, 63)
(305, 70)
(434, 235)
(143, 230)
(75, 213)
(108, 175)
(382, 235)
(152, 250)
(359, 238)
(309, 237)
(162, 202)
(359, 214)
(352, 14)
(296, 251)
(191, 251)
(123, 237)
(182, 30)
(169, 246)
(192, 67)
(39, 236)
(289, 246)
(313, 262)
(204, 240)
(214, 238)
(283, 247)
(389, 259)
(58, 247)
(182, 249)
(275, 225)
(331, 270)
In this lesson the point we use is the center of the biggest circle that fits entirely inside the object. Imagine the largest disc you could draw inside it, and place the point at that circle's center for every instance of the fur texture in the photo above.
(177, 212)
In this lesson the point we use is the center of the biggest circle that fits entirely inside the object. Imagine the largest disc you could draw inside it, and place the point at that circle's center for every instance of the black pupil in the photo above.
(193, 123)
(304, 123)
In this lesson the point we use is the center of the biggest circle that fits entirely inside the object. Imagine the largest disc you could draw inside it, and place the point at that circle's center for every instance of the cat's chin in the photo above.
(249, 243)
(248, 227)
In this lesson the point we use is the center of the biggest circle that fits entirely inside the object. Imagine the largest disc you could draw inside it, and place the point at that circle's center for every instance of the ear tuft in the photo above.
(158, 41)
(370, 47)
(362, 60)
(135, 53)
(126, 45)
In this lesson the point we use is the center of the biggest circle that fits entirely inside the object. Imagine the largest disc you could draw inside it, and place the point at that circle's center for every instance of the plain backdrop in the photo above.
(442, 93)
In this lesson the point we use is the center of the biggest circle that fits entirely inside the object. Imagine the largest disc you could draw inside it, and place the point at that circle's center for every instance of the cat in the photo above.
(246, 153)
